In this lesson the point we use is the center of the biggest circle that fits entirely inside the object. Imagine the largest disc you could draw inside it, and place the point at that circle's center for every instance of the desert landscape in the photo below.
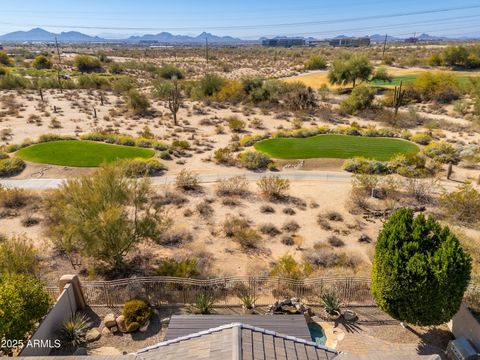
(136, 160)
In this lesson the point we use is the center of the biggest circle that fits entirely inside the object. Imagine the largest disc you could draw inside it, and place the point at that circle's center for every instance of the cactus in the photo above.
(398, 97)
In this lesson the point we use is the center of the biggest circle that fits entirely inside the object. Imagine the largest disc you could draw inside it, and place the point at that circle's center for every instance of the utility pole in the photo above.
(384, 46)
(59, 64)
(206, 48)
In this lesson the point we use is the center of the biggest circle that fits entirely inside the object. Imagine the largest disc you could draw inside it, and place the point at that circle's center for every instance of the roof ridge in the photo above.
(230, 326)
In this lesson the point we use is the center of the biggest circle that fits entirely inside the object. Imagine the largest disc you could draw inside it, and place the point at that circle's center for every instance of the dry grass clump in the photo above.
(334, 216)
(324, 223)
(269, 229)
(170, 198)
(175, 237)
(14, 198)
(335, 241)
(267, 209)
(324, 256)
(205, 209)
(288, 240)
(291, 226)
(288, 211)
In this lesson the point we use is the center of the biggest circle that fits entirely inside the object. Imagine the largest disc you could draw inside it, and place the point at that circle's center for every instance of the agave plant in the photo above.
(204, 303)
(331, 303)
(73, 330)
(248, 301)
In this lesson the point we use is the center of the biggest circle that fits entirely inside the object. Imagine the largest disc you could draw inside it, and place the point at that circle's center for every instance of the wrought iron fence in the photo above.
(160, 290)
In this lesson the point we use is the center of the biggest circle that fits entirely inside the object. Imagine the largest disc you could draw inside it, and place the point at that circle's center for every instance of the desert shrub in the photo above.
(205, 209)
(11, 166)
(5, 60)
(241, 232)
(335, 241)
(334, 216)
(324, 224)
(143, 167)
(291, 226)
(137, 102)
(11, 82)
(288, 211)
(325, 257)
(209, 86)
(30, 220)
(232, 224)
(234, 186)
(85, 63)
(443, 152)
(331, 303)
(269, 229)
(73, 331)
(440, 87)
(315, 62)
(18, 256)
(104, 215)
(187, 180)
(204, 302)
(267, 209)
(122, 84)
(365, 182)
(462, 205)
(300, 98)
(224, 156)
(181, 144)
(167, 72)
(137, 312)
(253, 160)
(23, 302)
(187, 268)
(461, 107)
(235, 124)
(14, 198)
(231, 91)
(287, 240)
(361, 98)
(360, 165)
(174, 237)
(420, 271)
(42, 62)
(273, 187)
(288, 267)
(421, 138)
(381, 74)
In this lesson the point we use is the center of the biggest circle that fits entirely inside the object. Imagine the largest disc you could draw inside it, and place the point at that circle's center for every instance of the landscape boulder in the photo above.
(144, 327)
(93, 335)
(109, 320)
(121, 323)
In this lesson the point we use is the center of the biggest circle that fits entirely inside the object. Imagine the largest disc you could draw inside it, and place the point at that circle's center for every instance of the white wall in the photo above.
(464, 324)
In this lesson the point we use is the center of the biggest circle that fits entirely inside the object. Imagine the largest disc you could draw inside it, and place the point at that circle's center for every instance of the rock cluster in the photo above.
(288, 306)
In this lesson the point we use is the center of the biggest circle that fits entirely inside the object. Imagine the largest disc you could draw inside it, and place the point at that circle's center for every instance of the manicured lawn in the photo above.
(335, 146)
(80, 153)
(408, 78)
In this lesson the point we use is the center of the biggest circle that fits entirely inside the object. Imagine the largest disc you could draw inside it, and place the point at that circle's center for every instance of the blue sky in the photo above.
(246, 18)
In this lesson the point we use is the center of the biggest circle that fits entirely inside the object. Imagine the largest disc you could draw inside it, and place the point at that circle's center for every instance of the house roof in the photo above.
(293, 325)
(237, 341)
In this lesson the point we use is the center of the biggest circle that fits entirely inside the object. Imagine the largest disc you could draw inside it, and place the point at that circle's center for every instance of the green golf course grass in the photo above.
(408, 78)
(335, 146)
(80, 153)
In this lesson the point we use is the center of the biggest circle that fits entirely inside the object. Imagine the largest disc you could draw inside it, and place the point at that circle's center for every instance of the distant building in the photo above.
(283, 42)
(350, 42)
(411, 40)
(318, 43)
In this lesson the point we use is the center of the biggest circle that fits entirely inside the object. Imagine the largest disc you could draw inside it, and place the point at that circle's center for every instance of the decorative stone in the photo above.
(106, 332)
(165, 321)
(113, 329)
(109, 320)
(93, 335)
(144, 327)
(121, 323)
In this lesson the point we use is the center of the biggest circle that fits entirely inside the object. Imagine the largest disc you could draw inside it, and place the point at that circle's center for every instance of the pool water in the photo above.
(317, 333)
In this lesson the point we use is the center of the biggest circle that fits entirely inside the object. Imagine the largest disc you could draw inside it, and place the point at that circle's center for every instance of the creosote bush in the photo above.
(234, 186)
(288, 267)
(273, 187)
(187, 268)
(187, 180)
(462, 205)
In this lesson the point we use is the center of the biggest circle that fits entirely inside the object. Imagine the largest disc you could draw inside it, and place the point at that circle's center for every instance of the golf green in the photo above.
(80, 153)
(335, 146)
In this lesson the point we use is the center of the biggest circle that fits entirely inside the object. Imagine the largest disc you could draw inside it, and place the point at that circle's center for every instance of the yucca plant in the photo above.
(331, 303)
(73, 330)
(248, 301)
(204, 303)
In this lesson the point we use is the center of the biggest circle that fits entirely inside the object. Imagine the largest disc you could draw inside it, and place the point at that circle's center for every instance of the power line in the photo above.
(260, 26)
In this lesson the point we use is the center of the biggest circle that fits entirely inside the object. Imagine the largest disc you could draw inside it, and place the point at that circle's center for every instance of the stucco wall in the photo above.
(464, 324)
(64, 308)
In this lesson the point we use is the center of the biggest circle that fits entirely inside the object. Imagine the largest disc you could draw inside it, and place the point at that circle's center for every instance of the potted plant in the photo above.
(331, 304)
(248, 303)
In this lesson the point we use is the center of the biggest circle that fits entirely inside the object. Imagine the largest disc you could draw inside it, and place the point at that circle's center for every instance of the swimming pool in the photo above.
(317, 333)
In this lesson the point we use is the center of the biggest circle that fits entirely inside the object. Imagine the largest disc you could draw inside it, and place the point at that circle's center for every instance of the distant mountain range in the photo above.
(41, 35)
